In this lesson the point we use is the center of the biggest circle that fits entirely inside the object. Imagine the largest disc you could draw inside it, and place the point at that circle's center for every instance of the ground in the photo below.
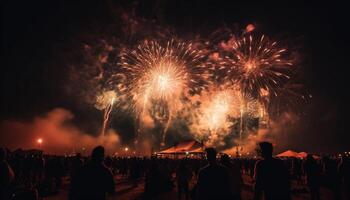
(126, 191)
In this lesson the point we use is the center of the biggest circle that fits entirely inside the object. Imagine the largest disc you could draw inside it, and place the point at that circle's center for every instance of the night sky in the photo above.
(35, 35)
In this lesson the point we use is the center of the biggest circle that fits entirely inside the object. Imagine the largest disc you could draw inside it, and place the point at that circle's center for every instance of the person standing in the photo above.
(213, 180)
(95, 180)
(183, 177)
(313, 174)
(271, 176)
(236, 180)
(6, 175)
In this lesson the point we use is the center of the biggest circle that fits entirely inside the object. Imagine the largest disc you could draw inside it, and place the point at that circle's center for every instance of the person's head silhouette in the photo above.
(98, 154)
(266, 149)
(309, 157)
(2, 153)
(225, 159)
(211, 155)
(78, 155)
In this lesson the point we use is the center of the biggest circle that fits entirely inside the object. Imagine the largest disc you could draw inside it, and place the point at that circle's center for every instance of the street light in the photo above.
(39, 141)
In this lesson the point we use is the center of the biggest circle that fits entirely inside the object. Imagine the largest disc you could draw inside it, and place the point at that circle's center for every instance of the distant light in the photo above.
(249, 28)
(40, 140)
(126, 149)
(187, 153)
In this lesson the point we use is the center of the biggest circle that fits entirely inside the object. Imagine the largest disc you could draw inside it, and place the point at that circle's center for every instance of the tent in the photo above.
(290, 154)
(302, 155)
(186, 147)
(293, 154)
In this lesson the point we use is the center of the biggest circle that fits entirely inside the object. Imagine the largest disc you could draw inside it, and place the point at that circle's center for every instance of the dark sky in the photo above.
(32, 77)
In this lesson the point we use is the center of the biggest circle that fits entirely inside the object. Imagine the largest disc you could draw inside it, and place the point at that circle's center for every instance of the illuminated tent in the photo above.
(189, 147)
(293, 154)
(290, 154)
(302, 155)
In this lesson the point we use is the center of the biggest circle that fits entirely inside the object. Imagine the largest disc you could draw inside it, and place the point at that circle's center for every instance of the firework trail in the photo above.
(107, 113)
(158, 75)
(105, 102)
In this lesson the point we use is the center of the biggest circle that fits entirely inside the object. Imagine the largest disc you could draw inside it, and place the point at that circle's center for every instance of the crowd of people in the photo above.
(33, 175)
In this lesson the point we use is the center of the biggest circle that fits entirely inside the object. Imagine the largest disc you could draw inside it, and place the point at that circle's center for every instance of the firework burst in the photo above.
(158, 75)
(221, 107)
(257, 64)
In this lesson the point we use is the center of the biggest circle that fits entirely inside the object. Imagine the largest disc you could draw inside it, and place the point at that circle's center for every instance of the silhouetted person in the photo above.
(313, 174)
(95, 179)
(297, 170)
(134, 172)
(236, 180)
(183, 177)
(6, 175)
(166, 184)
(344, 172)
(152, 181)
(213, 179)
(271, 176)
(75, 168)
(332, 177)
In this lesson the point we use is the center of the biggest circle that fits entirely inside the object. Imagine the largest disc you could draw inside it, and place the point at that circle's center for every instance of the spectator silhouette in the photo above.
(271, 176)
(313, 174)
(344, 172)
(134, 171)
(95, 180)
(75, 168)
(213, 179)
(235, 177)
(183, 177)
(152, 181)
(332, 177)
(6, 175)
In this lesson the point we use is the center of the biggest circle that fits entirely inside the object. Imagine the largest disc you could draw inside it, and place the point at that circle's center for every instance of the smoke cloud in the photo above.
(281, 133)
(57, 132)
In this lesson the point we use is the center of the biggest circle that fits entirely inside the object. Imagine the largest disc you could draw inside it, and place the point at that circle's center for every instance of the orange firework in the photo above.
(105, 102)
(221, 107)
(258, 65)
(158, 75)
